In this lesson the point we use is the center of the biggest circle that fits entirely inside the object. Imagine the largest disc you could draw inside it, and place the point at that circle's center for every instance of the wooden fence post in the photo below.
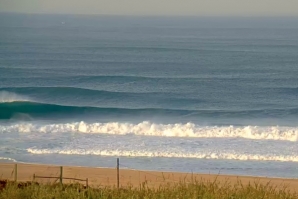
(118, 173)
(61, 175)
(87, 184)
(15, 172)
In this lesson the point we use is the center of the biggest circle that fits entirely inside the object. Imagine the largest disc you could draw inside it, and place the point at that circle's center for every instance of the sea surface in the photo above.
(190, 94)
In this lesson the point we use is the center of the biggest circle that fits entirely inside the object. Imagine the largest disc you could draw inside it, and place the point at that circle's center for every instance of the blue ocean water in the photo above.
(163, 93)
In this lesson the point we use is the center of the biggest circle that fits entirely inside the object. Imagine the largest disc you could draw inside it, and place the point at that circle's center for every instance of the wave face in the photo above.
(164, 130)
(44, 110)
(34, 109)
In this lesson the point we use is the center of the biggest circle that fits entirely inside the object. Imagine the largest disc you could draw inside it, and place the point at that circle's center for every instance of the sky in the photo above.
(155, 7)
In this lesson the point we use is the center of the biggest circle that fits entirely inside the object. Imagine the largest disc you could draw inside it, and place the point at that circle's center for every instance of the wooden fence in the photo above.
(60, 178)
(51, 174)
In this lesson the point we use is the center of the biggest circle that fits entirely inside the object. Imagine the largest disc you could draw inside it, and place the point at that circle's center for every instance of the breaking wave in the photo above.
(165, 130)
(132, 153)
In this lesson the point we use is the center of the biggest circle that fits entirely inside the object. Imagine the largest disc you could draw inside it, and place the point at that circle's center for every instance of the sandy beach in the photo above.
(108, 176)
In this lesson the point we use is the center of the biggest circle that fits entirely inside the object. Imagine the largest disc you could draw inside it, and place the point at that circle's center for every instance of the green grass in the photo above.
(204, 190)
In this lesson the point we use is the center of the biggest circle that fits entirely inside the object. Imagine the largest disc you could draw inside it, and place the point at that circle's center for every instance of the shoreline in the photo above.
(100, 176)
(145, 170)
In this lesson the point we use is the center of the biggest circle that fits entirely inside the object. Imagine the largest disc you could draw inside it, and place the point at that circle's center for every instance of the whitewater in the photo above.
(168, 130)
(211, 95)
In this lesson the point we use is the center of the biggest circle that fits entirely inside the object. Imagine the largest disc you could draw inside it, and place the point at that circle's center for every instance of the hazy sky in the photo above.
(156, 7)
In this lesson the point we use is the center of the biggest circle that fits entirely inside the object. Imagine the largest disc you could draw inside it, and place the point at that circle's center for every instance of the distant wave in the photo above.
(137, 78)
(165, 130)
(200, 155)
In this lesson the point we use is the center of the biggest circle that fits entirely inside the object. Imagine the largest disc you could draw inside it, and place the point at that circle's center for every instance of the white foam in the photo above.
(166, 130)
(11, 97)
(8, 159)
(198, 155)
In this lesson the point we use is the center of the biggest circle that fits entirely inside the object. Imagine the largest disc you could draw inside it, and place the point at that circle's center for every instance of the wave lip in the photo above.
(132, 153)
(163, 130)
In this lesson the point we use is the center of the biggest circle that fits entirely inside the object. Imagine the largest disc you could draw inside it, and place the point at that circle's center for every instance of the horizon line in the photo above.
(148, 15)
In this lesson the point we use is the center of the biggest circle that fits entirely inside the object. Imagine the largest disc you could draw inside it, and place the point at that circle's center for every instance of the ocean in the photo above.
(189, 94)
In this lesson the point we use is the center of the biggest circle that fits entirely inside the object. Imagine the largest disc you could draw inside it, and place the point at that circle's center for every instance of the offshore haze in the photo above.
(155, 7)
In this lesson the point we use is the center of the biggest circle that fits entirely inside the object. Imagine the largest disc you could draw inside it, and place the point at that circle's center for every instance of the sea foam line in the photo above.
(195, 155)
(164, 130)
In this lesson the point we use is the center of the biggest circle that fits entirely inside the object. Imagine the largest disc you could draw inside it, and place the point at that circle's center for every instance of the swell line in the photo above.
(68, 90)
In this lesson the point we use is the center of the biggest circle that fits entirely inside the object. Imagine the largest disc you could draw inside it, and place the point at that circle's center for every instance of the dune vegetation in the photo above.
(204, 190)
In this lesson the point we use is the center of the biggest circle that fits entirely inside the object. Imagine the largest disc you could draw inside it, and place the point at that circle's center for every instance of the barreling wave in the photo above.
(163, 130)
(195, 155)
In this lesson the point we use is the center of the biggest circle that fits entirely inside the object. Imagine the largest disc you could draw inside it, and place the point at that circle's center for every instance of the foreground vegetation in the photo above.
(198, 190)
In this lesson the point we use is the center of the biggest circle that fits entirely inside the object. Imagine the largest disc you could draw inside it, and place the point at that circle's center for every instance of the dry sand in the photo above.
(108, 176)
